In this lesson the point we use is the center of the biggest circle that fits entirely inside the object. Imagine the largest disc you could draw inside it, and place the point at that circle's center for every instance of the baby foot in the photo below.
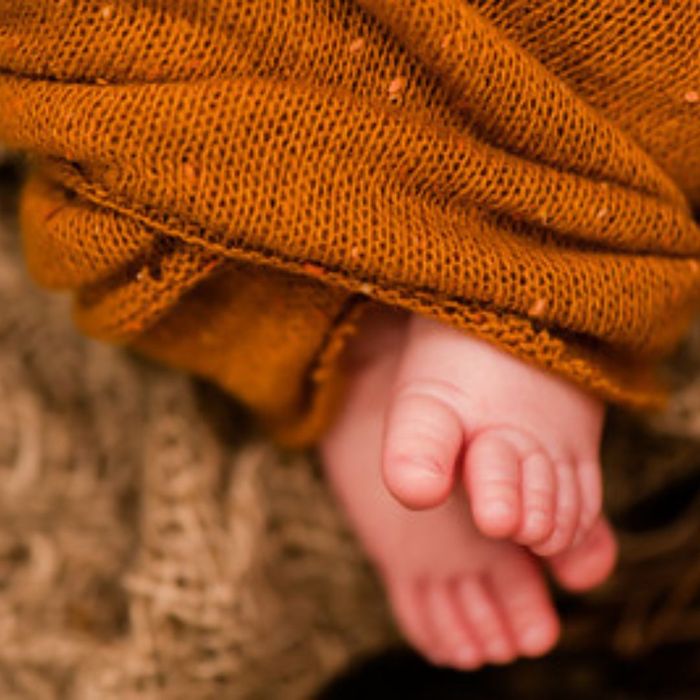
(525, 441)
(461, 599)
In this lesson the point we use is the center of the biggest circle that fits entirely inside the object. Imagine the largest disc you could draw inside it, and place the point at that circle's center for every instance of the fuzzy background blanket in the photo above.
(152, 546)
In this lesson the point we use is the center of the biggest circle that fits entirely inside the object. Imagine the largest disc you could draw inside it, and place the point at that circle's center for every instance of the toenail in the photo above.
(534, 638)
(499, 653)
(465, 657)
(499, 514)
(498, 508)
(427, 468)
(411, 465)
(537, 525)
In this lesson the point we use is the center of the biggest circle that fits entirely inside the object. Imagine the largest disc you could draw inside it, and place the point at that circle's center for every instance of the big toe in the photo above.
(408, 604)
(590, 562)
(422, 441)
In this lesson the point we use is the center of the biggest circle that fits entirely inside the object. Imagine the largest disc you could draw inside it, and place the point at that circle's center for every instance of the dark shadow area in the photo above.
(672, 674)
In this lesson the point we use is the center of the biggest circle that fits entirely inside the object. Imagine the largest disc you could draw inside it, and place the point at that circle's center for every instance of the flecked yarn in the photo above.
(225, 184)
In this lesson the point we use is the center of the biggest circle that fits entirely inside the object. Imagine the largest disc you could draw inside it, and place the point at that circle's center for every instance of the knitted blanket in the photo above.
(225, 185)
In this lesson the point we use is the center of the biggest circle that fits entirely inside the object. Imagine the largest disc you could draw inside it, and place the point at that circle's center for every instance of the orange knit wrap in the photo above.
(224, 184)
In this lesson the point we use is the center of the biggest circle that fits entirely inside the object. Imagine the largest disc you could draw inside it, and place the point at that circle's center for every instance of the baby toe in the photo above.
(588, 563)
(456, 642)
(407, 599)
(538, 499)
(492, 475)
(422, 442)
(481, 612)
(526, 605)
(591, 489)
(567, 512)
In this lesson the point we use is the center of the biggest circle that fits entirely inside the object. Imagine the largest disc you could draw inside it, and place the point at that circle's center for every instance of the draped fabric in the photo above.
(225, 185)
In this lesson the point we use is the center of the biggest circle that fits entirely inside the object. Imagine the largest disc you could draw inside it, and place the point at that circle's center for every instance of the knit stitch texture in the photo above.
(225, 184)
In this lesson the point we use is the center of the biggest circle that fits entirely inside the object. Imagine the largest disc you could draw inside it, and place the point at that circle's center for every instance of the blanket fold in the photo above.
(226, 185)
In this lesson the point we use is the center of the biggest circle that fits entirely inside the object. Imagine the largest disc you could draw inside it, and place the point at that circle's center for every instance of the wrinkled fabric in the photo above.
(225, 185)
